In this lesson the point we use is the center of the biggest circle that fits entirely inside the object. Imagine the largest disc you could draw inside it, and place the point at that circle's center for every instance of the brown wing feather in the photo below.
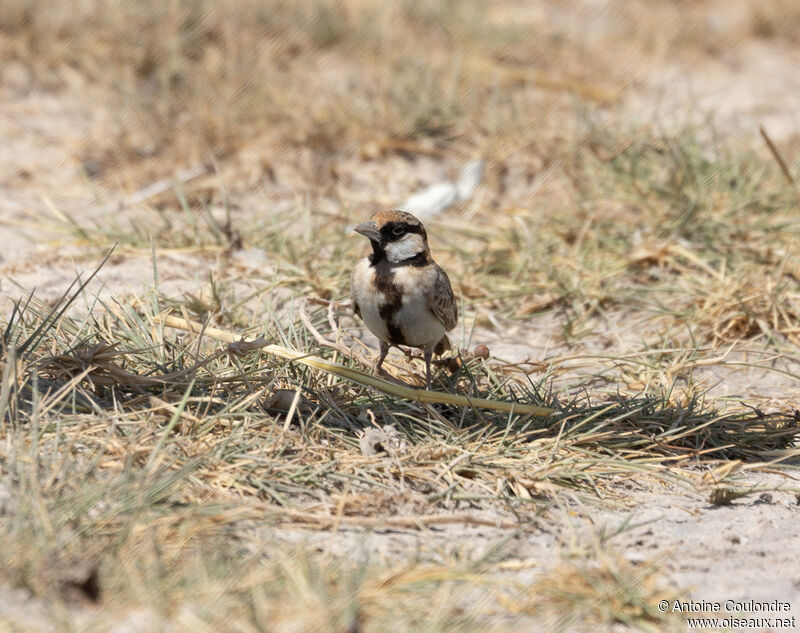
(442, 301)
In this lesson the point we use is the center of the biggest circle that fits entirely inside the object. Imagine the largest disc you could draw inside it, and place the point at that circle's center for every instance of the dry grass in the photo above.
(128, 448)
(195, 78)
(189, 79)
(156, 477)
(776, 19)
(605, 590)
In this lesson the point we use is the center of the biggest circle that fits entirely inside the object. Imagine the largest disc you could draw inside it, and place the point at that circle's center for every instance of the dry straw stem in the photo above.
(322, 521)
(353, 375)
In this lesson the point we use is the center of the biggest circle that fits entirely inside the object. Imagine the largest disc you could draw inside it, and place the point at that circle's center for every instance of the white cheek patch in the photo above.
(406, 247)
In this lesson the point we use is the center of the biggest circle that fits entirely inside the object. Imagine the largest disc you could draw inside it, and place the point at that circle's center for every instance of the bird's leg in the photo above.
(384, 351)
(428, 356)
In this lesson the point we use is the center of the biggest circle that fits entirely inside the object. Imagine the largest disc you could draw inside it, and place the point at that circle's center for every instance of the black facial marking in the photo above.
(379, 255)
(419, 260)
(395, 230)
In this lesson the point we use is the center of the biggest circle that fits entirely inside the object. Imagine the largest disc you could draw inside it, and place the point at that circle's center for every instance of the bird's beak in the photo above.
(370, 230)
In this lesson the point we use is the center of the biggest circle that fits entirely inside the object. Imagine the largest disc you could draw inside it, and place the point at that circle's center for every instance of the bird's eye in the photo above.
(398, 230)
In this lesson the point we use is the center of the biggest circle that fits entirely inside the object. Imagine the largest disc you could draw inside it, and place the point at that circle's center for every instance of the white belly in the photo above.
(415, 321)
(419, 325)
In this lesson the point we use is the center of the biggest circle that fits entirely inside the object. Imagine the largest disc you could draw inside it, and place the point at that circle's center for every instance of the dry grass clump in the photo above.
(731, 309)
(137, 470)
(182, 397)
(123, 545)
(688, 223)
(606, 590)
(104, 540)
(150, 478)
(179, 81)
(776, 19)
(192, 78)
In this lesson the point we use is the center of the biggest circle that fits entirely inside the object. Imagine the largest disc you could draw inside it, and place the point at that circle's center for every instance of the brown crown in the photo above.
(381, 218)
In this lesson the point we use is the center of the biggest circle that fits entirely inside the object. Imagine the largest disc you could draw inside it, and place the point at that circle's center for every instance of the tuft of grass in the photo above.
(248, 72)
(134, 489)
(605, 590)
(778, 19)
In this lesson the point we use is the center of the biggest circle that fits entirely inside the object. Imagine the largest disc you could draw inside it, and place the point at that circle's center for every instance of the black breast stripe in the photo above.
(384, 281)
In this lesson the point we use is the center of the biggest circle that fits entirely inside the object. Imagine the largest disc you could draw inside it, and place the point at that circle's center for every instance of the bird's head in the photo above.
(395, 235)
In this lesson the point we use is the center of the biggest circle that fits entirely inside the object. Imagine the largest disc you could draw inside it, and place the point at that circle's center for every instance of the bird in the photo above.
(399, 292)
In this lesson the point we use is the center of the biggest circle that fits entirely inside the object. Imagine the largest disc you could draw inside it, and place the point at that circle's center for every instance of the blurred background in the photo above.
(121, 92)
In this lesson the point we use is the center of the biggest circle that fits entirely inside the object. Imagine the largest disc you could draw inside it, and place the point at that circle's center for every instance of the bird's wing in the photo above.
(441, 300)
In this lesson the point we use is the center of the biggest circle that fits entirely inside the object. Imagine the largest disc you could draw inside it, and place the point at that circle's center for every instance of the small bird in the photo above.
(400, 293)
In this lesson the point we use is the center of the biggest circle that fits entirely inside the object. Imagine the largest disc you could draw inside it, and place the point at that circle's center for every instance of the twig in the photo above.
(330, 305)
(777, 155)
(361, 378)
(159, 404)
(164, 185)
(292, 409)
(306, 320)
(327, 521)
